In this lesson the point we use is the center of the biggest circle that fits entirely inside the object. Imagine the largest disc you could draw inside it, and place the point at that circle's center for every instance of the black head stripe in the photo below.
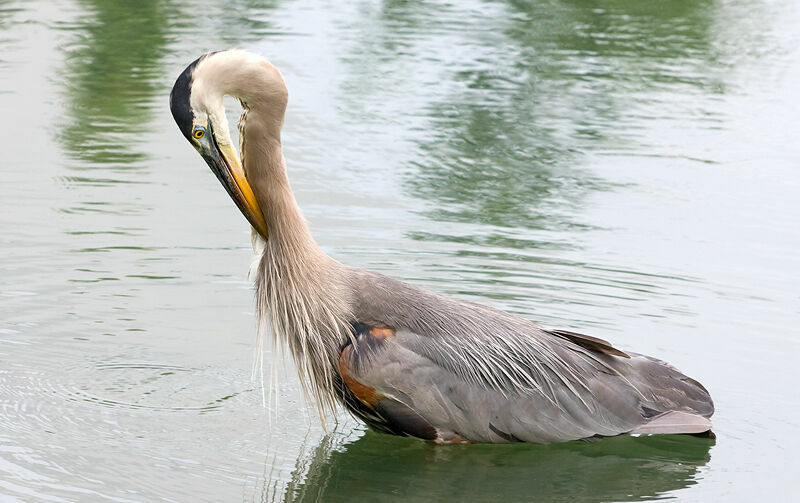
(179, 99)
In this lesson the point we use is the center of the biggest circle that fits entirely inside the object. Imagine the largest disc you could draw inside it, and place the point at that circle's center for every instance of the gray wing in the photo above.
(469, 372)
(413, 393)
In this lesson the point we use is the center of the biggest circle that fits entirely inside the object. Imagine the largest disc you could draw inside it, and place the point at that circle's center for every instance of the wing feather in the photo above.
(473, 372)
(589, 342)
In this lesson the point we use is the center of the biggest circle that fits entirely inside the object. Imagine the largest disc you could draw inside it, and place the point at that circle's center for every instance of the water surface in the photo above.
(619, 168)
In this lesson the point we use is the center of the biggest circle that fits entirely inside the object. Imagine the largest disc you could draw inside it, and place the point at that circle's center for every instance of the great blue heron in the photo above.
(403, 359)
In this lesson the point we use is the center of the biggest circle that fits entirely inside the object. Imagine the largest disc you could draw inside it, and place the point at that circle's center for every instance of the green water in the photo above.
(626, 169)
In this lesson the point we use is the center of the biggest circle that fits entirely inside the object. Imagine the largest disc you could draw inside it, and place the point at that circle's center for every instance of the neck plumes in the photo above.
(299, 289)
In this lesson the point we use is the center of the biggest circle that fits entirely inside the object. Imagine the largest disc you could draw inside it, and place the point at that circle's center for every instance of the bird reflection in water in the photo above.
(379, 467)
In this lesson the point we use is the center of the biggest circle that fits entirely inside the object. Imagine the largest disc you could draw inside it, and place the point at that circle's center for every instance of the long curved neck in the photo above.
(265, 168)
(299, 289)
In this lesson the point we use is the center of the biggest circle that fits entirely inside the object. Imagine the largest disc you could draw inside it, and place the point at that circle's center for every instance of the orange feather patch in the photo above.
(365, 394)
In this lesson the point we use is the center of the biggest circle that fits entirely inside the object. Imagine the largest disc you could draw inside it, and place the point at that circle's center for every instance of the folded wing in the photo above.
(396, 381)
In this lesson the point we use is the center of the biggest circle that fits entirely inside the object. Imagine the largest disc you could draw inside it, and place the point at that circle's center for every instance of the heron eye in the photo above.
(199, 132)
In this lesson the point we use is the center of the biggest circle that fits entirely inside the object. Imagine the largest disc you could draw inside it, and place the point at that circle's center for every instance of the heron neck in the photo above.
(265, 167)
(300, 291)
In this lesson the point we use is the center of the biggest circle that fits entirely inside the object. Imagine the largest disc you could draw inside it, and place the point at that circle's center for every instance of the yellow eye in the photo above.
(198, 132)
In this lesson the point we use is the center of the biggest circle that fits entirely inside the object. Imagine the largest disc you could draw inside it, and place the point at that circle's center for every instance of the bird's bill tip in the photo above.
(229, 171)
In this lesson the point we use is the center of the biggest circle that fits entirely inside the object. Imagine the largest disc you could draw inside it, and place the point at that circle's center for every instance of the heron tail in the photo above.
(673, 422)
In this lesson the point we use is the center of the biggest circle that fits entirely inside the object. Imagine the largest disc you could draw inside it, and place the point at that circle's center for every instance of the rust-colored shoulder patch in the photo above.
(365, 394)
(381, 332)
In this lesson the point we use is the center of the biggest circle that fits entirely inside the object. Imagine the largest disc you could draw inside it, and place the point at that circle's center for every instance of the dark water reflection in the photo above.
(550, 82)
(111, 67)
(114, 71)
(619, 469)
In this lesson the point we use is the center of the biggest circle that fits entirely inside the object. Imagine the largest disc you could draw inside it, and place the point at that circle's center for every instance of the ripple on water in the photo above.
(74, 422)
(47, 400)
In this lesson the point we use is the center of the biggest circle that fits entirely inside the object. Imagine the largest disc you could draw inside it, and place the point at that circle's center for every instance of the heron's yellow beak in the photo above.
(224, 162)
(245, 198)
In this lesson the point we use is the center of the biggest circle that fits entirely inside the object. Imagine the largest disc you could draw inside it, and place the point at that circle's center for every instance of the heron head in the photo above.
(197, 107)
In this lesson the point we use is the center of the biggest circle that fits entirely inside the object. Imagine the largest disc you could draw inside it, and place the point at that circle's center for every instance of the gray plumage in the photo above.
(404, 359)
(484, 375)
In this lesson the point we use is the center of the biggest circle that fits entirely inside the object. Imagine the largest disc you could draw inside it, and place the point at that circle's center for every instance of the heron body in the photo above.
(403, 359)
